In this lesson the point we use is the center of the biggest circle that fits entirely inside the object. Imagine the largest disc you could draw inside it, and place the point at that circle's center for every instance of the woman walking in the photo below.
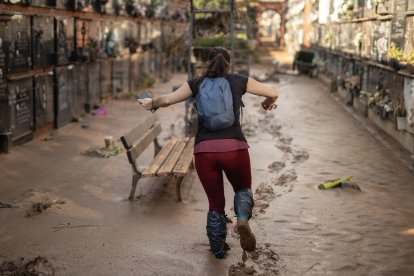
(220, 145)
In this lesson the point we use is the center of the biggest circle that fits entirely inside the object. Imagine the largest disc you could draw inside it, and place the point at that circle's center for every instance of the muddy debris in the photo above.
(102, 152)
(241, 269)
(52, 136)
(35, 267)
(39, 207)
(276, 167)
(7, 205)
(284, 148)
(285, 178)
(300, 156)
(68, 225)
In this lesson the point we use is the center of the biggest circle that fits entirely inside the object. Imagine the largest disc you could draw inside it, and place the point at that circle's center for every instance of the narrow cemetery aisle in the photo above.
(311, 139)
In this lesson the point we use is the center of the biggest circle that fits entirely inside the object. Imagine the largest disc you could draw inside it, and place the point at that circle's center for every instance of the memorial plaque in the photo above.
(65, 40)
(336, 38)
(132, 37)
(111, 42)
(95, 41)
(359, 8)
(3, 51)
(21, 104)
(356, 42)
(366, 39)
(120, 39)
(400, 6)
(4, 98)
(376, 79)
(409, 36)
(42, 41)
(121, 75)
(398, 31)
(4, 109)
(396, 87)
(384, 7)
(410, 5)
(43, 100)
(106, 78)
(135, 73)
(65, 4)
(334, 65)
(94, 87)
(364, 78)
(408, 96)
(145, 38)
(63, 88)
(369, 9)
(17, 42)
(82, 34)
(79, 93)
(43, 3)
(380, 39)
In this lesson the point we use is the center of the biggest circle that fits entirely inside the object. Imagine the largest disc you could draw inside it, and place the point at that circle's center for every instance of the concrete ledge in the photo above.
(403, 137)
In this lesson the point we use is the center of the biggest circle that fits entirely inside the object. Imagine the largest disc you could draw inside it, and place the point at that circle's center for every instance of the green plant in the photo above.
(395, 53)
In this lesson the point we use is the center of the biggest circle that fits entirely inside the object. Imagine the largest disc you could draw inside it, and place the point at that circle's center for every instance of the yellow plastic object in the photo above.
(332, 184)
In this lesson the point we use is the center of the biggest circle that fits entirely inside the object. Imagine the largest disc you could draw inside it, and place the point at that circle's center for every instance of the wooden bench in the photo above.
(174, 159)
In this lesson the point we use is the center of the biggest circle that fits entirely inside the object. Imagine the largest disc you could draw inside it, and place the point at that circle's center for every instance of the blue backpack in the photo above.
(214, 104)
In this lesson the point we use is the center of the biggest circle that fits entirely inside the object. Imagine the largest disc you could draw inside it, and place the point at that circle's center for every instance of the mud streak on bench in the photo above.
(174, 159)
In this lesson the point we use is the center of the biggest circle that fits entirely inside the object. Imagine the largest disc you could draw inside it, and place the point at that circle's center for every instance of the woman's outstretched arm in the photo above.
(257, 88)
(179, 95)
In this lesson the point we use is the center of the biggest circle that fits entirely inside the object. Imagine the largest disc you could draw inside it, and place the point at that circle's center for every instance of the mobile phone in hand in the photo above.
(146, 95)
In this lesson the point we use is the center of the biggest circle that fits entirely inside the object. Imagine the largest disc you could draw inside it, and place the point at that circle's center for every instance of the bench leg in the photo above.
(157, 147)
(135, 179)
(178, 181)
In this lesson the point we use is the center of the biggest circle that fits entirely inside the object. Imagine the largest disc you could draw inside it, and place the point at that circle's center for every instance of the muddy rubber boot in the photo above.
(243, 206)
(216, 232)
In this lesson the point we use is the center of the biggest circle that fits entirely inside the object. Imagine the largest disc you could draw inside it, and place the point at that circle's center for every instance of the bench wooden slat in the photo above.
(140, 145)
(135, 134)
(168, 165)
(160, 158)
(184, 163)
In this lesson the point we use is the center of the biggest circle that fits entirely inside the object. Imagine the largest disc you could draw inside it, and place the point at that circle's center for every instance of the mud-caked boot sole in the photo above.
(247, 239)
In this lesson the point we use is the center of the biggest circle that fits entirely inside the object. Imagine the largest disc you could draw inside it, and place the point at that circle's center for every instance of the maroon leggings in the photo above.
(210, 167)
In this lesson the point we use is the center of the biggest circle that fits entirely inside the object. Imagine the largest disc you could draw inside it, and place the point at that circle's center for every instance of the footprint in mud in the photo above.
(263, 195)
(276, 167)
(274, 130)
(241, 270)
(249, 129)
(286, 140)
(300, 156)
(264, 261)
(286, 177)
(284, 148)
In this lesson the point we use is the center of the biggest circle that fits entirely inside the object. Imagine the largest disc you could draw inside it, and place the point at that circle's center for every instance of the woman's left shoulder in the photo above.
(238, 77)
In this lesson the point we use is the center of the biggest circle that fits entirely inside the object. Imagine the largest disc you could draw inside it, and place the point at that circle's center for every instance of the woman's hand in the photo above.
(146, 103)
(269, 103)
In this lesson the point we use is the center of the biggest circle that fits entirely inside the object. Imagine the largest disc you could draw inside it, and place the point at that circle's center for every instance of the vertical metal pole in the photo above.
(190, 41)
(232, 34)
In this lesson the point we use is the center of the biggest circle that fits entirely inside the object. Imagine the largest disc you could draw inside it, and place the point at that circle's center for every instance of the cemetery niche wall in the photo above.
(59, 59)
(367, 51)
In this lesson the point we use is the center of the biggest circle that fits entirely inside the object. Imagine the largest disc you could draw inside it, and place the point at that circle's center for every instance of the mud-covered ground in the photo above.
(300, 230)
